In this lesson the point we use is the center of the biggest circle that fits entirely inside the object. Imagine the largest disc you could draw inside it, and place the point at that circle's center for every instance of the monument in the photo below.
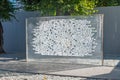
(65, 39)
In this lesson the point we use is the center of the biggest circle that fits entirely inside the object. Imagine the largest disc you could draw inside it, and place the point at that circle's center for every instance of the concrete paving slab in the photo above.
(95, 72)
(40, 67)
(11, 63)
(66, 69)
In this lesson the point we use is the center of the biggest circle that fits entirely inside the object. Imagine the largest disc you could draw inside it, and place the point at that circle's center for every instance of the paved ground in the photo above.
(40, 67)
(95, 72)
(64, 69)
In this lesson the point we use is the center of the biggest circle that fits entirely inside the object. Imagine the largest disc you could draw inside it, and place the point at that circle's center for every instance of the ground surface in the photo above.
(15, 69)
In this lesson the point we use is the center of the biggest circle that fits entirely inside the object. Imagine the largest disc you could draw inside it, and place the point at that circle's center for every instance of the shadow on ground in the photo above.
(114, 74)
(12, 56)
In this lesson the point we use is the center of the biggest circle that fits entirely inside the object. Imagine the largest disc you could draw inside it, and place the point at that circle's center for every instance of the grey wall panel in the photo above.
(111, 31)
(14, 32)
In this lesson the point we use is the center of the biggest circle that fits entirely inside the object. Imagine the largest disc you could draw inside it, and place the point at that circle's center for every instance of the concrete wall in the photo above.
(111, 31)
(14, 32)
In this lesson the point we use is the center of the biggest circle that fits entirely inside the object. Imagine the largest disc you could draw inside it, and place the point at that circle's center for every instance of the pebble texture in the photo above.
(64, 36)
(42, 77)
(7, 75)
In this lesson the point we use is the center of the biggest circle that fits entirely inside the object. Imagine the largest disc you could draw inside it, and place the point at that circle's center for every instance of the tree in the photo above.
(118, 2)
(102, 3)
(61, 7)
(6, 12)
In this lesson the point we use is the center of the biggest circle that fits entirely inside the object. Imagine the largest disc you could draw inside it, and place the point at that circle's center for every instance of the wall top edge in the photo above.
(66, 17)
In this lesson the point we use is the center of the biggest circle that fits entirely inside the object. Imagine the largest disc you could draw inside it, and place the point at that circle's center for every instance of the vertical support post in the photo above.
(101, 25)
(26, 41)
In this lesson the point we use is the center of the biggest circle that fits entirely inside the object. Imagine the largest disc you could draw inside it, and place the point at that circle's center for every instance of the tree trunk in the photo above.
(1, 39)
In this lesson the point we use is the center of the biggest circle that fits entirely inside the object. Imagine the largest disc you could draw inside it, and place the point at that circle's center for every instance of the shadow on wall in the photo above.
(14, 33)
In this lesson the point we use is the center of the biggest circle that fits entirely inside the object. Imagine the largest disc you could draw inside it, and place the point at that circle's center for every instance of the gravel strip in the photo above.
(6, 75)
(41, 77)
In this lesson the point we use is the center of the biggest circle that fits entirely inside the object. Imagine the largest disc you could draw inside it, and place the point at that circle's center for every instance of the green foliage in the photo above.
(6, 10)
(118, 1)
(87, 6)
(61, 7)
(102, 3)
